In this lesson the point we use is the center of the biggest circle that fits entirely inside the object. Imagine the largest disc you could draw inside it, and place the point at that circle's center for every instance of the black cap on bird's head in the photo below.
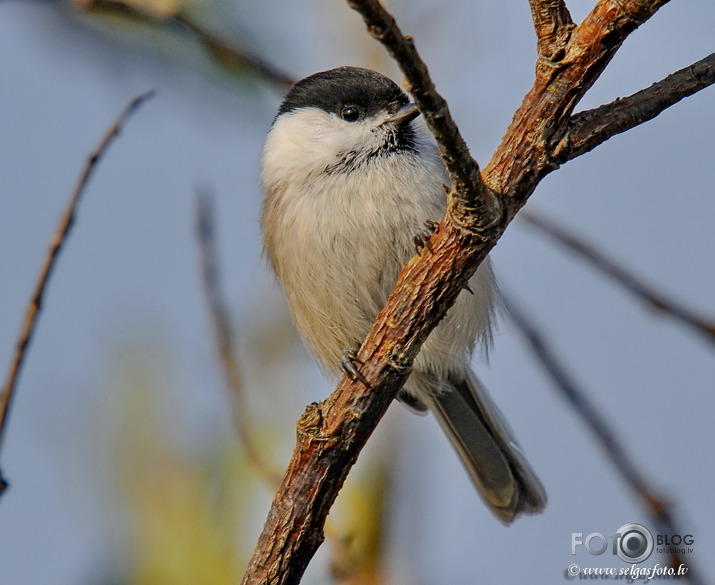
(351, 93)
(341, 121)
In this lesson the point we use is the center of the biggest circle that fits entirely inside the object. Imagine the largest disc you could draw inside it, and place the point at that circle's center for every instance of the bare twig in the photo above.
(475, 207)
(343, 566)
(553, 26)
(228, 55)
(525, 155)
(590, 128)
(623, 276)
(223, 337)
(658, 507)
(332, 433)
(57, 241)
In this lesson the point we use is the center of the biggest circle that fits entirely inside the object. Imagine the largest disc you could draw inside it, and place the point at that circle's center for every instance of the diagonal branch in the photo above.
(226, 54)
(476, 207)
(56, 242)
(524, 156)
(553, 25)
(223, 338)
(658, 507)
(652, 297)
(590, 128)
(331, 434)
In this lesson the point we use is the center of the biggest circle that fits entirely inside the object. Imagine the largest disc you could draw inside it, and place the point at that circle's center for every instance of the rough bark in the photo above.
(332, 433)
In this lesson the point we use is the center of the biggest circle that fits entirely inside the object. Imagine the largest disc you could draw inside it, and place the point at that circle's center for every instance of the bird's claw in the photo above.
(421, 240)
(348, 366)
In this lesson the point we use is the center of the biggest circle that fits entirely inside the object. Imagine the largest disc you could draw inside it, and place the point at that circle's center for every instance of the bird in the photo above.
(350, 180)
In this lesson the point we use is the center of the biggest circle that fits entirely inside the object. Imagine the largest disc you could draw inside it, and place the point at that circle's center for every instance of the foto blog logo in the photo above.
(632, 543)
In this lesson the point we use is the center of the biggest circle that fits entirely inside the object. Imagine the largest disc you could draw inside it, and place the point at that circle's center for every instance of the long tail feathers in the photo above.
(488, 450)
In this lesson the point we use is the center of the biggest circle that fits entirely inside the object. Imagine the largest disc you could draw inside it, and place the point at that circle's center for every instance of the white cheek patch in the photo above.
(309, 140)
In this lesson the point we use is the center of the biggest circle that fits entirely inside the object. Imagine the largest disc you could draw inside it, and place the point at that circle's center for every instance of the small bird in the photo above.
(350, 180)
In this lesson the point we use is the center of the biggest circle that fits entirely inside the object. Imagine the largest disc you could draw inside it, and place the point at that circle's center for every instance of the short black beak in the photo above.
(404, 115)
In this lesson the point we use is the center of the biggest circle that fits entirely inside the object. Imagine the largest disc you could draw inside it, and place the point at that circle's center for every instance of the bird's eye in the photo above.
(350, 113)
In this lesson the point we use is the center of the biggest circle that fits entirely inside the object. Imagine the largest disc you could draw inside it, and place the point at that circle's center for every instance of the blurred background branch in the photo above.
(597, 259)
(58, 239)
(170, 15)
(357, 542)
(223, 336)
(659, 508)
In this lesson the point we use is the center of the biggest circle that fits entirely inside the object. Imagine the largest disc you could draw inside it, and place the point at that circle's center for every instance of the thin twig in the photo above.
(659, 508)
(344, 568)
(590, 128)
(228, 55)
(57, 241)
(620, 274)
(478, 208)
(553, 25)
(525, 154)
(223, 338)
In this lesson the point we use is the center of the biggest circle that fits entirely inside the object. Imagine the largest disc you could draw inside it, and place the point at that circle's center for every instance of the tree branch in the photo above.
(553, 25)
(473, 204)
(332, 433)
(659, 508)
(344, 568)
(228, 55)
(590, 128)
(618, 273)
(223, 338)
(56, 242)
(524, 156)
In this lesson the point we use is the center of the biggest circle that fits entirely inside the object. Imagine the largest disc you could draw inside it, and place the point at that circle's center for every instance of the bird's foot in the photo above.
(349, 365)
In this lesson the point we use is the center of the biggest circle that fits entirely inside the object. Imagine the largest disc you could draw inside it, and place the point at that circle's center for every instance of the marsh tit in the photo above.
(349, 181)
